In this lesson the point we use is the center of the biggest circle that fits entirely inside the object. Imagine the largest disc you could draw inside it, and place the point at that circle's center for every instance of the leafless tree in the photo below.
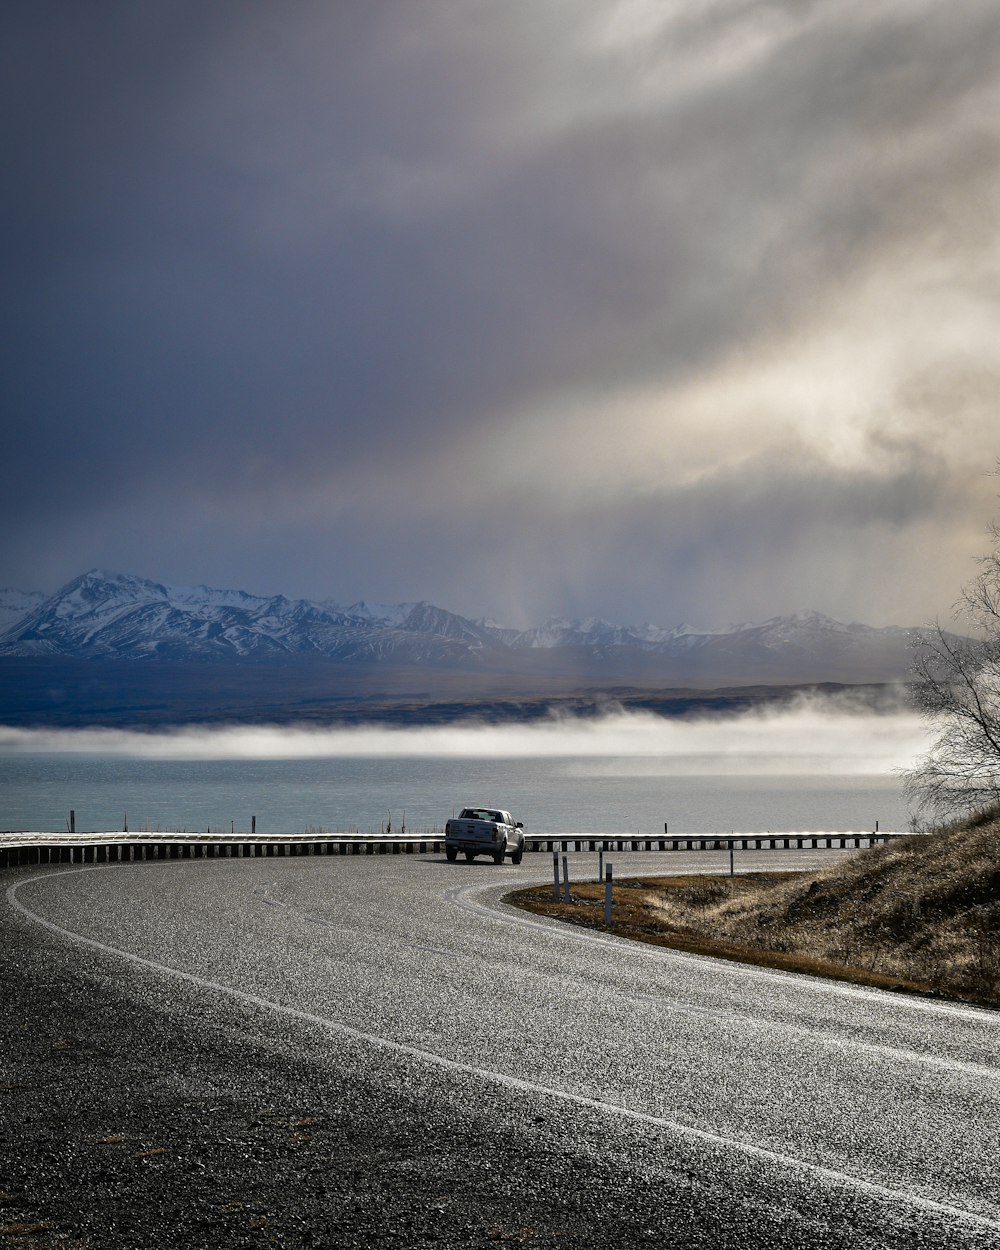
(956, 683)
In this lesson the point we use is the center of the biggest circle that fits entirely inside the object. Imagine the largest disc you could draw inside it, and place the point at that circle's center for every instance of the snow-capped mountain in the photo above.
(103, 615)
(113, 616)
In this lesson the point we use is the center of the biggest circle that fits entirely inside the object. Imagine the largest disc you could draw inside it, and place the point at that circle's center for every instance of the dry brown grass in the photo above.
(920, 914)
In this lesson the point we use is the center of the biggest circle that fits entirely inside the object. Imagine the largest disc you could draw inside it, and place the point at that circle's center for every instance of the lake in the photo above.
(814, 769)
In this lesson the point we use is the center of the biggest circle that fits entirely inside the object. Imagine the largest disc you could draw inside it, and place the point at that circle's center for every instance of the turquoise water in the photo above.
(583, 794)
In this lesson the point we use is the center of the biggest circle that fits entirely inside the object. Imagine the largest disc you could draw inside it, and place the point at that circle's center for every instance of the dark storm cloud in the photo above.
(315, 258)
(736, 544)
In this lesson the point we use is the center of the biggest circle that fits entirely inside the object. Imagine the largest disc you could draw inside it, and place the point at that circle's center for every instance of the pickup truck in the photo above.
(484, 831)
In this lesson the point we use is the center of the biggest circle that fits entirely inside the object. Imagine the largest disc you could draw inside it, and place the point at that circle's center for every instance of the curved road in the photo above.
(559, 1087)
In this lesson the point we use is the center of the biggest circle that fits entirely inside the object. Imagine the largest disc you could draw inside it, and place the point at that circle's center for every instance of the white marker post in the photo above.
(600, 864)
(607, 895)
(566, 897)
(555, 875)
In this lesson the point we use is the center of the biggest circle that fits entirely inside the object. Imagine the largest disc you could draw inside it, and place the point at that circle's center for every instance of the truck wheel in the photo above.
(470, 856)
(452, 853)
(499, 853)
(516, 857)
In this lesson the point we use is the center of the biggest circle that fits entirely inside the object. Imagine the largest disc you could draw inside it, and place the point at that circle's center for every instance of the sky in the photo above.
(665, 311)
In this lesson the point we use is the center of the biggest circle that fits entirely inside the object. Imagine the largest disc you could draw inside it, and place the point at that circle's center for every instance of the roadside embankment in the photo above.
(920, 914)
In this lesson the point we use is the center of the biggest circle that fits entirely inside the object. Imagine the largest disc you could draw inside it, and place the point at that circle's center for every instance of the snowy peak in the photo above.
(393, 614)
(118, 616)
(425, 618)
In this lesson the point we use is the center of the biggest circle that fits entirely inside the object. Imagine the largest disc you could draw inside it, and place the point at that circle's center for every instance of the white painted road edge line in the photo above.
(464, 896)
(819, 985)
(701, 1136)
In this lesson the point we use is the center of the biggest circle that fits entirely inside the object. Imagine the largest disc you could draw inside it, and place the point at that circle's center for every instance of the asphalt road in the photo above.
(375, 1051)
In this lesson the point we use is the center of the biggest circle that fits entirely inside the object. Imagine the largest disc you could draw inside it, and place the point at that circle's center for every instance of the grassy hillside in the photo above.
(922, 913)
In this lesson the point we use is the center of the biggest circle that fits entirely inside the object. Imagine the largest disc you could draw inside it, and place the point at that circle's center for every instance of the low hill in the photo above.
(923, 909)
(920, 913)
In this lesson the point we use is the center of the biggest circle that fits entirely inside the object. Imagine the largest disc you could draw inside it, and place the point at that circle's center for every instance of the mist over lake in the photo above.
(812, 767)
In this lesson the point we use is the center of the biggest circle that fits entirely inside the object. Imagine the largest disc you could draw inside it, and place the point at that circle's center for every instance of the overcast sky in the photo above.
(667, 310)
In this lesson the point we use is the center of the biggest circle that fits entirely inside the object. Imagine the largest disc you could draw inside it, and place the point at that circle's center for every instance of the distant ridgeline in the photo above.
(111, 649)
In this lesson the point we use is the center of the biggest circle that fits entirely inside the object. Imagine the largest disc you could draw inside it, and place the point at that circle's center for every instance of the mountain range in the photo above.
(112, 616)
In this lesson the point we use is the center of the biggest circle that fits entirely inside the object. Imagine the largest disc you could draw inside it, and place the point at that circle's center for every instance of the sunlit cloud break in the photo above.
(810, 738)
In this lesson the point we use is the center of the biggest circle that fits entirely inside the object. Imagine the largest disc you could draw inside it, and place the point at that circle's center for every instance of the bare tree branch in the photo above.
(956, 684)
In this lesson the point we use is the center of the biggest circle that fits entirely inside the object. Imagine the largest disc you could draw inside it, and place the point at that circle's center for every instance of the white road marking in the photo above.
(464, 897)
(461, 897)
(830, 1176)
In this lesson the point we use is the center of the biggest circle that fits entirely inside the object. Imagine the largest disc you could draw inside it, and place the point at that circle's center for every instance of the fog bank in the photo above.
(807, 738)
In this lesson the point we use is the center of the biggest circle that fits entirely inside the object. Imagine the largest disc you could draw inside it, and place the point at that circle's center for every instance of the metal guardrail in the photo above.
(26, 848)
